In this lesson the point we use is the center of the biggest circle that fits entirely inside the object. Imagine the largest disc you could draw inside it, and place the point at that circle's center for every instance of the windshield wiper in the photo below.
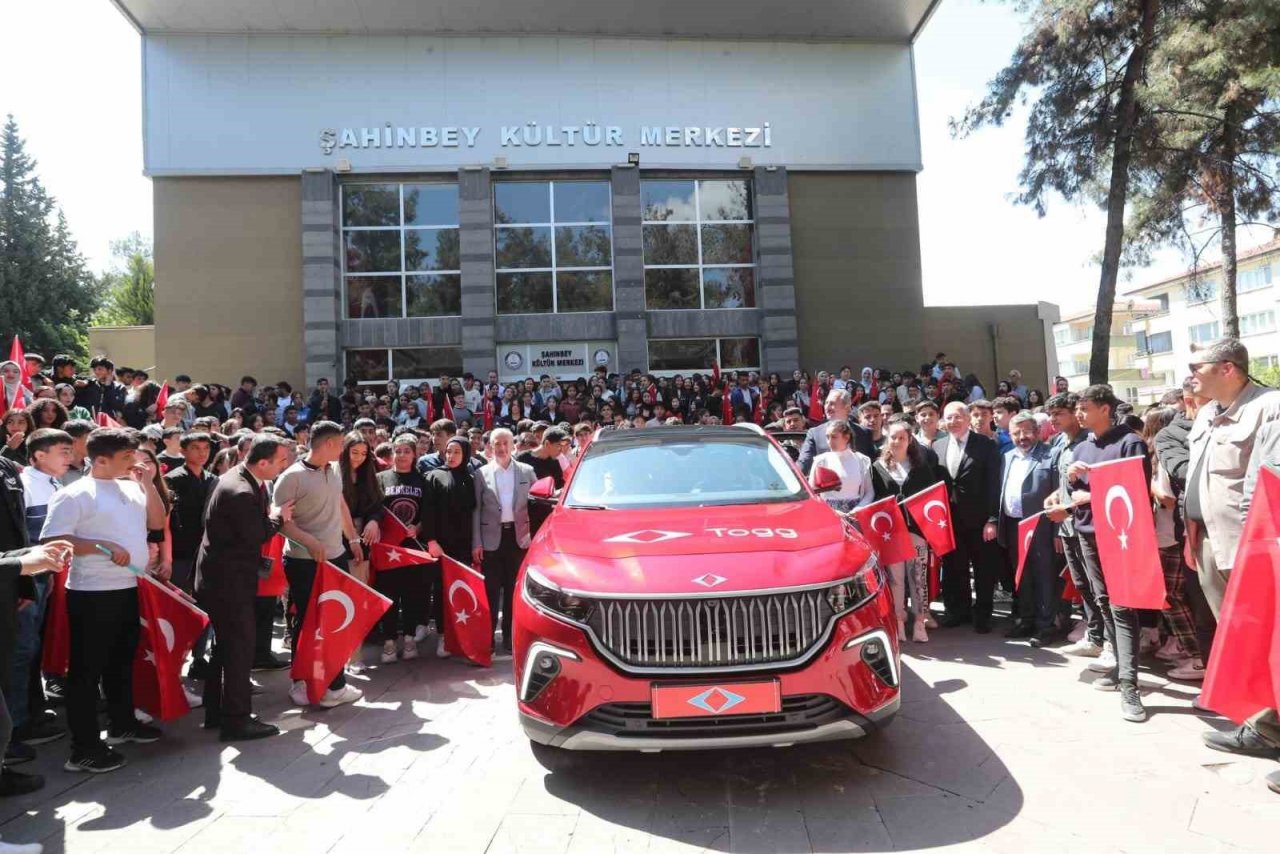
(586, 507)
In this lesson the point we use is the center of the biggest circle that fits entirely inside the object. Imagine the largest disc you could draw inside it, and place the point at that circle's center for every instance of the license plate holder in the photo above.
(716, 700)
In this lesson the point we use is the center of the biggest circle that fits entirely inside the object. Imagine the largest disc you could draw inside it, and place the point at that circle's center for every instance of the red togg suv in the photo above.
(690, 590)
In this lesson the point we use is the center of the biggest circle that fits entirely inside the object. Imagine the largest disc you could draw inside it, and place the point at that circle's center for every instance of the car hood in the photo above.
(697, 550)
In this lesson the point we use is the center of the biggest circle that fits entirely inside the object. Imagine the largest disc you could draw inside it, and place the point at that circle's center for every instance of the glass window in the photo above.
(697, 354)
(553, 246)
(1203, 333)
(698, 232)
(1254, 279)
(376, 367)
(1201, 290)
(369, 366)
(1258, 322)
(1160, 342)
(390, 232)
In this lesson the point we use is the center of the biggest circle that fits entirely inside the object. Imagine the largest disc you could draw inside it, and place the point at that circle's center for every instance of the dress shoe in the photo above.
(248, 730)
(270, 662)
(1046, 637)
(949, 621)
(1243, 740)
(1021, 630)
(982, 627)
(212, 721)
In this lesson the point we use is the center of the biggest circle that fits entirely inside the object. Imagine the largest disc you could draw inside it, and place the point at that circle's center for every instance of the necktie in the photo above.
(953, 456)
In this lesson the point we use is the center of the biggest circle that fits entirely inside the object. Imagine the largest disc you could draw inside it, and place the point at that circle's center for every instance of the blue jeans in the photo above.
(26, 656)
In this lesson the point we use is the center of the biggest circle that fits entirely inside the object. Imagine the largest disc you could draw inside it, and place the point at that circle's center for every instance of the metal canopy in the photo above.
(894, 21)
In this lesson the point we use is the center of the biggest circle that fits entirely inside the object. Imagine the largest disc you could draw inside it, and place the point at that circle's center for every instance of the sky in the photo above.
(72, 79)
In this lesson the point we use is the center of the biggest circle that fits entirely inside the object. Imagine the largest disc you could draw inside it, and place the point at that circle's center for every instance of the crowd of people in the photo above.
(190, 482)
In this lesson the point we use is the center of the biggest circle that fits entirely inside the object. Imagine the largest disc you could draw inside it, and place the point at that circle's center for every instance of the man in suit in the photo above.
(238, 521)
(1027, 480)
(500, 526)
(973, 467)
(839, 405)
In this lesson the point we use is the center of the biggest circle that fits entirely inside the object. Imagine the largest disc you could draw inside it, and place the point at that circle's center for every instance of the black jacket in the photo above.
(12, 585)
(975, 490)
(190, 498)
(236, 526)
(920, 477)
(324, 408)
(103, 397)
(1172, 448)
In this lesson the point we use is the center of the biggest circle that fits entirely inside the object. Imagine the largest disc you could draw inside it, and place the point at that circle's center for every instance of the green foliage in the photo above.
(46, 291)
(1269, 375)
(129, 289)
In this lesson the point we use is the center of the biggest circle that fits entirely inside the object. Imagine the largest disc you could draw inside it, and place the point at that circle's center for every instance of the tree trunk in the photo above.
(1227, 216)
(1118, 191)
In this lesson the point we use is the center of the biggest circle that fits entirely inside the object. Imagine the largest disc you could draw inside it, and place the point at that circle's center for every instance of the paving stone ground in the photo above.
(998, 747)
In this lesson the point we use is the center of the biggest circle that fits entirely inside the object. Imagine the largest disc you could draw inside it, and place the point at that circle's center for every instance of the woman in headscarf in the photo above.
(448, 505)
(16, 395)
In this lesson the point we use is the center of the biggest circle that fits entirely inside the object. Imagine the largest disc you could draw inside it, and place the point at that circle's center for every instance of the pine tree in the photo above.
(46, 291)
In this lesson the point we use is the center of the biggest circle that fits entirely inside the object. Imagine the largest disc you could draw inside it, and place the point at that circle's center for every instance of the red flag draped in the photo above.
(102, 419)
(1026, 532)
(715, 373)
(56, 647)
(1126, 533)
(817, 412)
(467, 627)
(17, 354)
(430, 407)
(162, 400)
(757, 407)
(1069, 591)
(446, 408)
(726, 405)
(886, 530)
(392, 531)
(384, 556)
(1243, 673)
(931, 510)
(341, 612)
(275, 583)
(170, 627)
(489, 408)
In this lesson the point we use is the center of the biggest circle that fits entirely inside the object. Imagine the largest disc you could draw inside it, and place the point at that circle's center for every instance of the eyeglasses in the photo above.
(1195, 366)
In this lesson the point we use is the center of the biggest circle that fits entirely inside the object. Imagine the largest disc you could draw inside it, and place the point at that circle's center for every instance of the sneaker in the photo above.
(298, 694)
(1243, 740)
(194, 700)
(345, 694)
(17, 783)
(1106, 660)
(1188, 670)
(55, 690)
(138, 733)
(1148, 641)
(1106, 682)
(410, 648)
(1080, 632)
(441, 652)
(95, 760)
(142, 717)
(1171, 651)
(1084, 648)
(419, 634)
(388, 652)
(1131, 707)
(39, 731)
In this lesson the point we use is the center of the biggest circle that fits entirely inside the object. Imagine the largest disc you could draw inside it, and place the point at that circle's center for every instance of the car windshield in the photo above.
(675, 472)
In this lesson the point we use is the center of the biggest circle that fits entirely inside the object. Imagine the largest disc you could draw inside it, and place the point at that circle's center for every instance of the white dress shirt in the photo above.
(1020, 466)
(955, 452)
(505, 479)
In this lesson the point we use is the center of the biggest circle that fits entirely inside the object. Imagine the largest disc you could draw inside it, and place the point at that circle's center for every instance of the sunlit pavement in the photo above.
(999, 747)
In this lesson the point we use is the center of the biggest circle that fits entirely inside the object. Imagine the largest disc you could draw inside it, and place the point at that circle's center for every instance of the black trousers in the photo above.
(406, 587)
(984, 558)
(500, 568)
(264, 614)
(103, 628)
(301, 575)
(227, 690)
(1097, 632)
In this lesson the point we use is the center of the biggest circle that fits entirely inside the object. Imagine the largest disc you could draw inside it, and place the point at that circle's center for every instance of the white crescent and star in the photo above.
(393, 556)
(1119, 492)
(887, 533)
(459, 614)
(942, 520)
(348, 607)
(166, 629)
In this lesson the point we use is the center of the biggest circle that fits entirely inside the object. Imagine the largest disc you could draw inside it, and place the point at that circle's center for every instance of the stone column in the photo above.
(321, 277)
(628, 270)
(775, 283)
(476, 246)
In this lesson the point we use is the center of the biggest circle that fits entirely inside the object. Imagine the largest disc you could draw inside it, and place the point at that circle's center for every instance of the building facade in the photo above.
(398, 191)
(1073, 338)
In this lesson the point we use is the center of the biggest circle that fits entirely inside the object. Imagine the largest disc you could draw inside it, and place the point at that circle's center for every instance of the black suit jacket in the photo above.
(975, 490)
(815, 442)
(235, 528)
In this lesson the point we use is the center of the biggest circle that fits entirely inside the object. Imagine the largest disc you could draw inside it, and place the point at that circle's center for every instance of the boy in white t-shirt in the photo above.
(109, 510)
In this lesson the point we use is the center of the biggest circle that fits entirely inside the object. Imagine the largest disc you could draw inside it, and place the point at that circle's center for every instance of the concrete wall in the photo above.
(855, 240)
(229, 268)
(991, 340)
(131, 346)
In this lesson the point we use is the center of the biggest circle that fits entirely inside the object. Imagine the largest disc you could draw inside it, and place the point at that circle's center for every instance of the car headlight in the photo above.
(546, 594)
(858, 590)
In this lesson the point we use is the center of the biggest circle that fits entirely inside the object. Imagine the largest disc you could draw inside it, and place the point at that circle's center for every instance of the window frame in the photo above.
(553, 270)
(1214, 325)
(667, 372)
(1256, 314)
(391, 363)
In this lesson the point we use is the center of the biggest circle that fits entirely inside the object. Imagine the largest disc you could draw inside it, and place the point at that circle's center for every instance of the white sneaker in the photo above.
(1189, 670)
(1106, 660)
(194, 700)
(345, 694)
(1148, 641)
(1171, 651)
(1084, 648)
(298, 693)
(1080, 632)
(419, 634)
(142, 717)
(441, 652)
(389, 652)
(410, 648)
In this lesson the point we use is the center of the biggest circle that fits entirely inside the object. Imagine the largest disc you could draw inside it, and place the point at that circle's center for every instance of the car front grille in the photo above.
(635, 720)
(710, 632)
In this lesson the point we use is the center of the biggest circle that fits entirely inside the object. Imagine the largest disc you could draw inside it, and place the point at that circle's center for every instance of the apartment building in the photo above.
(1073, 339)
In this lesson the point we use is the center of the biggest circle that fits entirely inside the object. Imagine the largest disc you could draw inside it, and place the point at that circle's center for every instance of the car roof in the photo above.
(678, 434)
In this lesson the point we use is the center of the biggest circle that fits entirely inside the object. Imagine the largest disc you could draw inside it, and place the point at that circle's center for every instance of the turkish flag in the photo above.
(17, 354)
(1026, 533)
(1126, 534)
(102, 419)
(341, 612)
(488, 416)
(886, 530)
(170, 627)
(446, 408)
(162, 399)
(275, 583)
(430, 407)
(726, 405)
(1069, 591)
(1243, 673)
(55, 652)
(392, 530)
(467, 627)
(817, 412)
(931, 510)
(757, 407)
(715, 372)
(935, 575)
(384, 556)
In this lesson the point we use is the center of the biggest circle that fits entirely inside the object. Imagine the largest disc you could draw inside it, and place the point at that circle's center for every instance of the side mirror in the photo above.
(825, 480)
(544, 489)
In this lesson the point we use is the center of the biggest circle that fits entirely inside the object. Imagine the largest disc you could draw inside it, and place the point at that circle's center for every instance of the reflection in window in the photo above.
(406, 364)
(698, 354)
(698, 244)
(552, 246)
(390, 234)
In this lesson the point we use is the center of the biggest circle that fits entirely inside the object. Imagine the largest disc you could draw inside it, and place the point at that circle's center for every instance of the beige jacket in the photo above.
(1224, 441)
